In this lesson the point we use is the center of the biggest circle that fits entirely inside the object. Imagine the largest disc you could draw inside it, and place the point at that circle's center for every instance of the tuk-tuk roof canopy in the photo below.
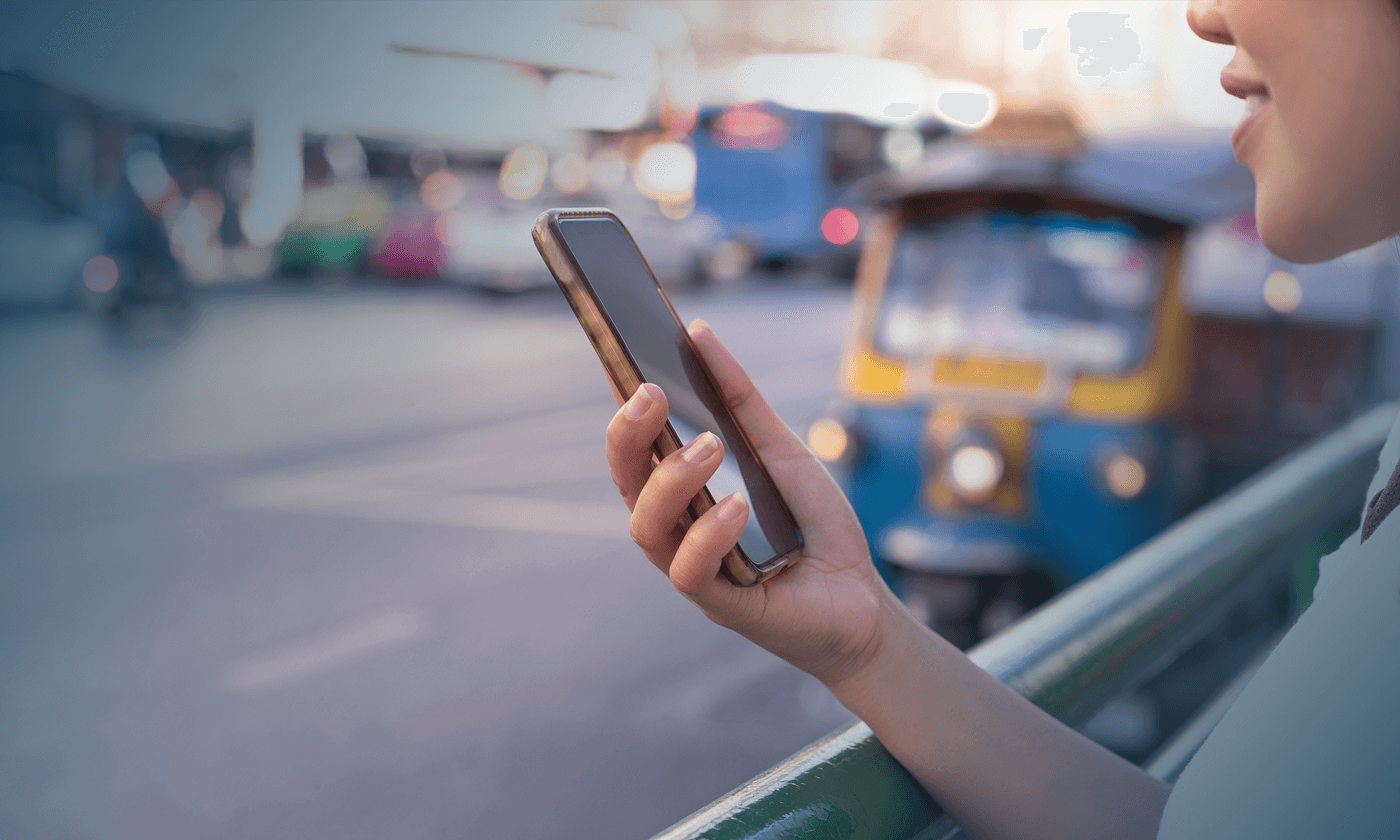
(1185, 176)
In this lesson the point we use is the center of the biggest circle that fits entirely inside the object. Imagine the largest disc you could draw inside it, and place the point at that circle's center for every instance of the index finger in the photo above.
(631, 433)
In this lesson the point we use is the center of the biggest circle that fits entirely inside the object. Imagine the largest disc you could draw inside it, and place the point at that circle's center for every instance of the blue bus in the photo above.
(778, 183)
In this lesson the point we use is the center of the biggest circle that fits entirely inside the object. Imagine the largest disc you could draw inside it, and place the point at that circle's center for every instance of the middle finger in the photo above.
(668, 493)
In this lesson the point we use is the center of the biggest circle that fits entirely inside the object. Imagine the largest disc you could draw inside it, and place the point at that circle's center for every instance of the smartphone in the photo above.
(639, 338)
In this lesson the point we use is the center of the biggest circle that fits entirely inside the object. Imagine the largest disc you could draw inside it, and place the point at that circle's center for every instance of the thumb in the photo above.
(771, 438)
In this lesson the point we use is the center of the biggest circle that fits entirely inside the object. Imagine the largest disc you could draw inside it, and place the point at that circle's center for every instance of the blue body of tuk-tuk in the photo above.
(1074, 530)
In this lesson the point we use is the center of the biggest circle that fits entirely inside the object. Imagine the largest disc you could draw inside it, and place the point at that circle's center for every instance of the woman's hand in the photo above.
(823, 613)
(1001, 766)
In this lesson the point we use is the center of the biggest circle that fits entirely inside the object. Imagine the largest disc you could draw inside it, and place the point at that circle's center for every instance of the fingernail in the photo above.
(638, 405)
(700, 449)
(731, 508)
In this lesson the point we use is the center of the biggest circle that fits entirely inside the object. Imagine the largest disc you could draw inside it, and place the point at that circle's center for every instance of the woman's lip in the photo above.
(1240, 85)
(1256, 108)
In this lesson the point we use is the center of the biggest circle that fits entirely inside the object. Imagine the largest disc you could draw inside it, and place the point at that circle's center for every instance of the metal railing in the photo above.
(1093, 643)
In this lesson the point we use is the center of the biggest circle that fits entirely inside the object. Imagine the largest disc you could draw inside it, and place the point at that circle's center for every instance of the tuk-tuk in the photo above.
(1017, 358)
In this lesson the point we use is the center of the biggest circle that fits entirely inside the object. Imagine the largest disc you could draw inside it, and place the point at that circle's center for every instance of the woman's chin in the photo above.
(1310, 223)
(1302, 237)
(1296, 249)
(1306, 246)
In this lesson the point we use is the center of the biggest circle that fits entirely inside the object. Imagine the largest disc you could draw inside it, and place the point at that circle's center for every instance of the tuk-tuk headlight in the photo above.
(828, 439)
(1124, 475)
(974, 470)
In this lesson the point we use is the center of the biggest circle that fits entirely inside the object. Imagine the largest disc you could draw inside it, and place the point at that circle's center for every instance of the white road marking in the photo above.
(272, 668)
(465, 451)
(462, 486)
(456, 488)
(310, 492)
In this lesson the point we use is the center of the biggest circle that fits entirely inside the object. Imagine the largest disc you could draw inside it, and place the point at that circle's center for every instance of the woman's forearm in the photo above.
(999, 765)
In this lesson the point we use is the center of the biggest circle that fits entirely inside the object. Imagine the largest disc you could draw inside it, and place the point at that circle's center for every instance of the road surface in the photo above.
(347, 563)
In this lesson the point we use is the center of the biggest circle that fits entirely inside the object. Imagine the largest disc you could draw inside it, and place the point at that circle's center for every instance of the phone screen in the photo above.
(658, 343)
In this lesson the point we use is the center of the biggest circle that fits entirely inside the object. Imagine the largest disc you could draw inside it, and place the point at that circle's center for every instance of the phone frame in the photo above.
(626, 377)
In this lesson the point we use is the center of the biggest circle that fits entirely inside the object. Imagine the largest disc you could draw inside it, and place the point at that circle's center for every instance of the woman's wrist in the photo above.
(895, 645)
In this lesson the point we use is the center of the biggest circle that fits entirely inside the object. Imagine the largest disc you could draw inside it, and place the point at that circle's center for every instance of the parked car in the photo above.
(334, 228)
(488, 244)
(408, 243)
(43, 251)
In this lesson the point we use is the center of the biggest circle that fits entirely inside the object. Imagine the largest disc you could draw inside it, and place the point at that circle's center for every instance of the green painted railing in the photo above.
(1093, 643)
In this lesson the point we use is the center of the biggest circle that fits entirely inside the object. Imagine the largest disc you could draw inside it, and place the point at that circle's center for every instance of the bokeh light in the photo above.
(425, 160)
(100, 274)
(1282, 292)
(965, 106)
(1125, 476)
(974, 472)
(442, 190)
(523, 172)
(148, 176)
(666, 172)
(840, 226)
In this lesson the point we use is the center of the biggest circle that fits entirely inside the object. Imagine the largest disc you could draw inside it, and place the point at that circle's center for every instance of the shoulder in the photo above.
(1314, 734)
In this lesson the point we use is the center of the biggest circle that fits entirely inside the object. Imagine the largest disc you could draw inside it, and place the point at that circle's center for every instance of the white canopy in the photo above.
(332, 66)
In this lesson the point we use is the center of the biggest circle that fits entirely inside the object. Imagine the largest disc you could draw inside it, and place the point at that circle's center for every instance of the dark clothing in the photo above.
(1381, 504)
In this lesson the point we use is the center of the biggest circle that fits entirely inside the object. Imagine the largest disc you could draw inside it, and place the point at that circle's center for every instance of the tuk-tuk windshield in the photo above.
(1052, 287)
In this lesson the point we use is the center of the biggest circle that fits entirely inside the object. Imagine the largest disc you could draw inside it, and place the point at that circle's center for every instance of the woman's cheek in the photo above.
(1325, 184)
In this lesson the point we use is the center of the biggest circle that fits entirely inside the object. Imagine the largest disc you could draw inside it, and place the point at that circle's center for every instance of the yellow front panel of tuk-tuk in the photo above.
(987, 372)
(869, 376)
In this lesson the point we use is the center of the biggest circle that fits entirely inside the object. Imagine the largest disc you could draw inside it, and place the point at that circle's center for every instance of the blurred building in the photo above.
(596, 85)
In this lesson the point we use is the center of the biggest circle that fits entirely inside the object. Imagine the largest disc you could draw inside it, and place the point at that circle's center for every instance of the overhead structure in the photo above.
(481, 75)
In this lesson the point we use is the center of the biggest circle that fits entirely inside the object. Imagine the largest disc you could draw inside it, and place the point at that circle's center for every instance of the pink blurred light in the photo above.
(840, 226)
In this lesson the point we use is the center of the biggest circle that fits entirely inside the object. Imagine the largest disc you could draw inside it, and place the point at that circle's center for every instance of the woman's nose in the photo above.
(1207, 19)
